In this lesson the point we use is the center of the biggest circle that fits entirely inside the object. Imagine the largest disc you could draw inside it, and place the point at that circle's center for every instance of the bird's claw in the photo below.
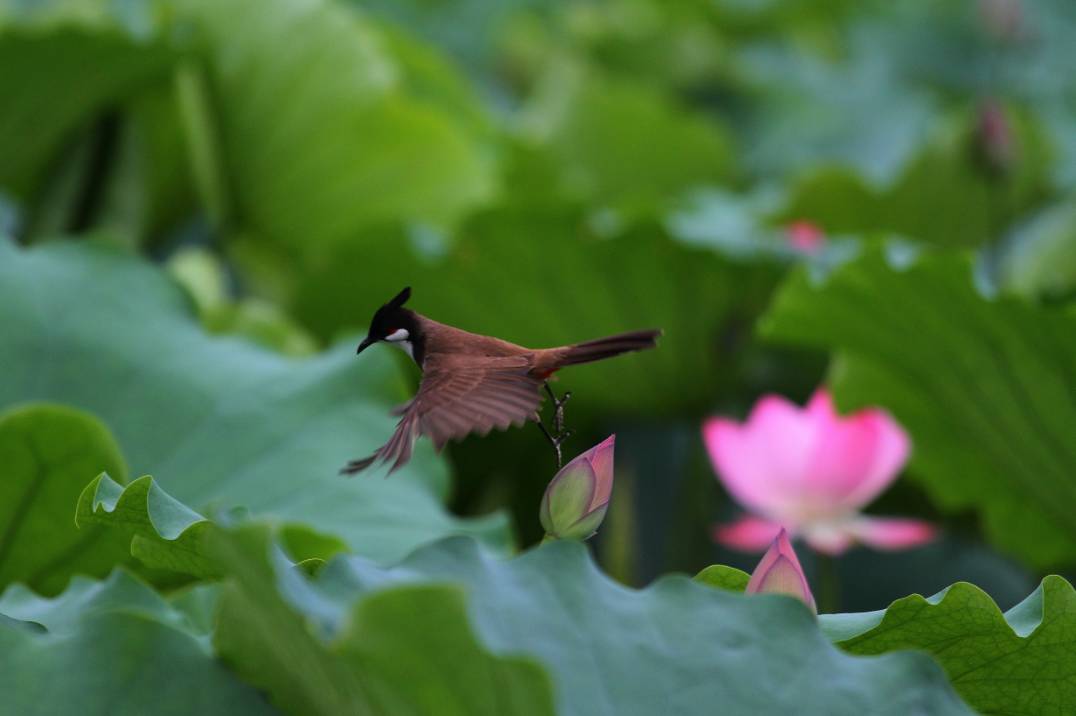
(560, 434)
(558, 413)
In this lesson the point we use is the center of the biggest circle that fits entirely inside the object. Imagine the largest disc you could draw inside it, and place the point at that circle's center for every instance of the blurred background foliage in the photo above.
(549, 173)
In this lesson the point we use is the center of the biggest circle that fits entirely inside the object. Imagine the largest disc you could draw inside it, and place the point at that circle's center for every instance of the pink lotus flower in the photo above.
(810, 471)
(779, 572)
(805, 237)
(577, 498)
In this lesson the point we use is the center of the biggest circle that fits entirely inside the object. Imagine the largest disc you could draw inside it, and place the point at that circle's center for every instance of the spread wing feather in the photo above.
(457, 398)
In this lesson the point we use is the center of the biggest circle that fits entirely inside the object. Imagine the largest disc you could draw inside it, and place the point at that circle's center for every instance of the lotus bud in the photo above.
(575, 502)
(1004, 19)
(996, 139)
(779, 572)
(805, 237)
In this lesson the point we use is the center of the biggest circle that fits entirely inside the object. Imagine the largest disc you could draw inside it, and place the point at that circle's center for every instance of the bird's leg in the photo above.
(557, 439)
(558, 410)
(555, 442)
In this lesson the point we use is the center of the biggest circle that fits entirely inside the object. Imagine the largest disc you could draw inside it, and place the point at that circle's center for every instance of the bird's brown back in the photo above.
(442, 338)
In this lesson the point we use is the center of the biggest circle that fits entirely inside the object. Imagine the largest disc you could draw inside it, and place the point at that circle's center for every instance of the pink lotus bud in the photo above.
(805, 236)
(575, 502)
(1004, 19)
(811, 470)
(779, 572)
(995, 136)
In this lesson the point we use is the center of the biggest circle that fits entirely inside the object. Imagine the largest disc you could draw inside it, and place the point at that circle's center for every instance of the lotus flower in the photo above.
(805, 237)
(779, 572)
(810, 471)
(575, 502)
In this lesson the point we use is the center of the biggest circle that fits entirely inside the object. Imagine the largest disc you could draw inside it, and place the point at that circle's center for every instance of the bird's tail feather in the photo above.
(602, 348)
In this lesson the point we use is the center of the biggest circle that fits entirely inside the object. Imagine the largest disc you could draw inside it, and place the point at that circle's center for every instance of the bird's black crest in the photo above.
(401, 298)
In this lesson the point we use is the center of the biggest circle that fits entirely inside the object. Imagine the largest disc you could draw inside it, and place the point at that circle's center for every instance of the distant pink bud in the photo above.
(577, 498)
(995, 136)
(1003, 19)
(805, 236)
(811, 470)
(779, 572)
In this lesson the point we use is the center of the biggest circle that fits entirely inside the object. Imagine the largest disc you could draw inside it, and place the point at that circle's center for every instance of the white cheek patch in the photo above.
(400, 334)
(405, 346)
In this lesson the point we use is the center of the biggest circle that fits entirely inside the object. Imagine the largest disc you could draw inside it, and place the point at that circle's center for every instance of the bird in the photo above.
(473, 383)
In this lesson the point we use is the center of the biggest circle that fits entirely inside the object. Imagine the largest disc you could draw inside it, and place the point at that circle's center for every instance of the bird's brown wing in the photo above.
(458, 397)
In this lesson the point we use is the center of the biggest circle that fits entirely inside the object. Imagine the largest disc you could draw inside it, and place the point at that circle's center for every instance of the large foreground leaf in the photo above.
(46, 454)
(1019, 662)
(218, 421)
(111, 648)
(408, 650)
(676, 647)
(986, 387)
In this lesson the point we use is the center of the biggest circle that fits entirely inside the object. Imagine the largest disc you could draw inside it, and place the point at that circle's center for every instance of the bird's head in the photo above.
(392, 323)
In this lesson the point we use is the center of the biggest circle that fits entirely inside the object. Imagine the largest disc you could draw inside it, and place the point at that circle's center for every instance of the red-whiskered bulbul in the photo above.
(473, 383)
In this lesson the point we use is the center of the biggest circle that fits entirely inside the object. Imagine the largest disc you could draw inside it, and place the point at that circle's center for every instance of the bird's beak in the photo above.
(366, 343)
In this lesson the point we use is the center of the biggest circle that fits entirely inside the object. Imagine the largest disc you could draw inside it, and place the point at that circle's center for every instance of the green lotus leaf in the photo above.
(551, 604)
(1017, 662)
(675, 647)
(112, 647)
(47, 453)
(405, 650)
(165, 533)
(723, 577)
(44, 50)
